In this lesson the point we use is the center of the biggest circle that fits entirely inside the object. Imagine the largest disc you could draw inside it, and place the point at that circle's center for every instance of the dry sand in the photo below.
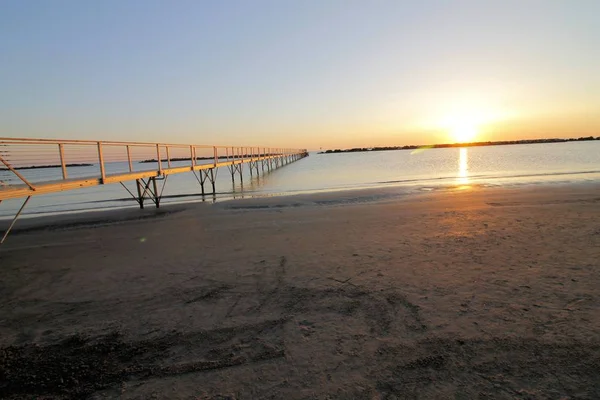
(475, 293)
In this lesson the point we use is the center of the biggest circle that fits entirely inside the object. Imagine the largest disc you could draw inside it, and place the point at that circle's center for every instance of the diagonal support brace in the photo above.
(14, 220)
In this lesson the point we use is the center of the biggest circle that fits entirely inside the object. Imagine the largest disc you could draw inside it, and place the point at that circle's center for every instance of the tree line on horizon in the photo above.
(471, 144)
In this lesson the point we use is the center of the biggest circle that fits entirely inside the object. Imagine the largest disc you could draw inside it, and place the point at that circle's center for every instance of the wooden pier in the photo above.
(33, 167)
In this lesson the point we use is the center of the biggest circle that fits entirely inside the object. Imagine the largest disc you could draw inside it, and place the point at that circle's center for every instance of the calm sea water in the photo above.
(492, 165)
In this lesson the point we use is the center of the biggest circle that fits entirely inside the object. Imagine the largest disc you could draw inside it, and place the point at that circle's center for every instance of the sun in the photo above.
(463, 131)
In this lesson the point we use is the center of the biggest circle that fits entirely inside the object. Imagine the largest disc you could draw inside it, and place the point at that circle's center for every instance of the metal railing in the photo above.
(67, 159)
(30, 167)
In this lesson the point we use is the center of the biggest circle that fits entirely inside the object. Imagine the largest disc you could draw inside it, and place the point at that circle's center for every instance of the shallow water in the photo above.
(415, 170)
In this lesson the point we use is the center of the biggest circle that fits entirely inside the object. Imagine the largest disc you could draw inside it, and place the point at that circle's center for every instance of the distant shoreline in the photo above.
(153, 160)
(50, 166)
(450, 145)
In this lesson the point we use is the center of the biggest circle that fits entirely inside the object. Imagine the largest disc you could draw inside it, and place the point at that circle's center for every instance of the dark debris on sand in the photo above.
(78, 366)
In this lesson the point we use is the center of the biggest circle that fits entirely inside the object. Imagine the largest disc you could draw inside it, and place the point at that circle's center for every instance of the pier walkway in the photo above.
(33, 167)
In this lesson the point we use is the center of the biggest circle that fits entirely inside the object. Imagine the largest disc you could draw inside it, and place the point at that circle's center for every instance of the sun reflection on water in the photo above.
(463, 166)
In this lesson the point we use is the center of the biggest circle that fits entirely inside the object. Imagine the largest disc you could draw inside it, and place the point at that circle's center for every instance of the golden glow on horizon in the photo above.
(461, 121)
(464, 128)
(464, 132)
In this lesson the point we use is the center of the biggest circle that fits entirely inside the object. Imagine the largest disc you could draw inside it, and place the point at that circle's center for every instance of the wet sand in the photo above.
(472, 293)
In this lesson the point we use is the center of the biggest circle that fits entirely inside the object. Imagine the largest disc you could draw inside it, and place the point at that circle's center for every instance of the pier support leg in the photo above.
(156, 196)
(254, 168)
(213, 175)
(231, 171)
(147, 188)
(202, 176)
(139, 199)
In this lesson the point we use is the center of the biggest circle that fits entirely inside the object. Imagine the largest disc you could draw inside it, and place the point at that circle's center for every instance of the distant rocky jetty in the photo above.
(472, 144)
(172, 159)
(153, 160)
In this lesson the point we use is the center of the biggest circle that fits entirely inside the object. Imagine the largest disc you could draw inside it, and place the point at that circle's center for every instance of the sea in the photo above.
(415, 171)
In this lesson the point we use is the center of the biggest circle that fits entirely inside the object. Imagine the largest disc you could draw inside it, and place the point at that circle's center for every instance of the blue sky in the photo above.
(299, 73)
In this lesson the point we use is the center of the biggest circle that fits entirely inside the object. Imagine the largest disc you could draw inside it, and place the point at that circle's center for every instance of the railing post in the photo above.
(193, 156)
(251, 159)
(168, 157)
(129, 159)
(216, 156)
(158, 158)
(62, 160)
(101, 161)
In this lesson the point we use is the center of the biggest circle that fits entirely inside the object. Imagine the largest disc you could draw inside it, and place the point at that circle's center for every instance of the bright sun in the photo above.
(463, 131)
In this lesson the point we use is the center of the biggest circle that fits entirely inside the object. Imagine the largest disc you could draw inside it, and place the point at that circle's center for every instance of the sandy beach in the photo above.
(463, 293)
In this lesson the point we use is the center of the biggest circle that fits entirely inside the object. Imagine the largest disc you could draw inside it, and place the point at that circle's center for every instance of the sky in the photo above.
(304, 73)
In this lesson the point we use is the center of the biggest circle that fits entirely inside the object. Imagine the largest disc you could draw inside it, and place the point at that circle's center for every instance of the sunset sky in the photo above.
(304, 73)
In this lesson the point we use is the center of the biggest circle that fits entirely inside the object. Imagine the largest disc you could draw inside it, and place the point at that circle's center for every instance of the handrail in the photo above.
(106, 142)
(30, 153)
(105, 162)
